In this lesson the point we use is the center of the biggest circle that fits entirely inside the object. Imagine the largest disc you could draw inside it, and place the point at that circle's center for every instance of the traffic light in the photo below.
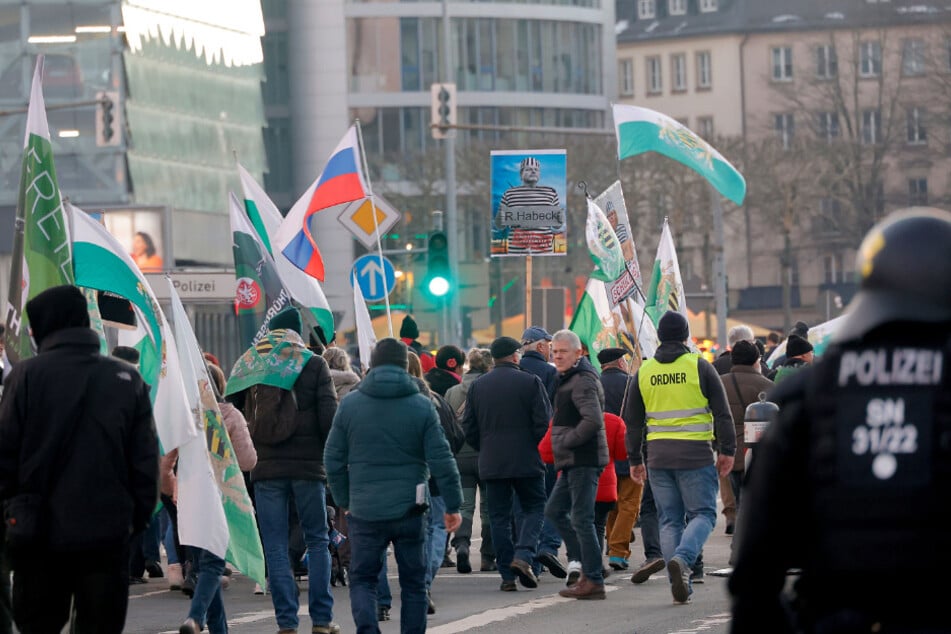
(438, 281)
(443, 109)
(108, 129)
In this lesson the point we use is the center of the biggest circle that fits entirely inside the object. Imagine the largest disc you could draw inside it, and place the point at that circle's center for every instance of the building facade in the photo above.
(831, 109)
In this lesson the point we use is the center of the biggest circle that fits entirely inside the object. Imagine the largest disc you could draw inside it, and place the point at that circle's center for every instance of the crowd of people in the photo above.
(560, 456)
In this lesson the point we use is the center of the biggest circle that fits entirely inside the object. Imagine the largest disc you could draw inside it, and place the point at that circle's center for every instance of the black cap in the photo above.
(796, 346)
(744, 353)
(55, 309)
(610, 354)
(288, 319)
(389, 351)
(408, 328)
(450, 357)
(504, 347)
(673, 327)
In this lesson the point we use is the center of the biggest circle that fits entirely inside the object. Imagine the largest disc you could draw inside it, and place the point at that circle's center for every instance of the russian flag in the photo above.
(340, 182)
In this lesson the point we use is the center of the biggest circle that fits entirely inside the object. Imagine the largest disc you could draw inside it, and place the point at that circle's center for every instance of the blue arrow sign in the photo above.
(376, 282)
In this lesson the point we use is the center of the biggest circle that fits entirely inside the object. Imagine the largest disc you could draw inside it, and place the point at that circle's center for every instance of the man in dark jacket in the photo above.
(743, 384)
(536, 349)
(580, 446)
(621, 520)
(505, 417)
(679, 398)
(288, 397)
(97, 491)
(385, 441)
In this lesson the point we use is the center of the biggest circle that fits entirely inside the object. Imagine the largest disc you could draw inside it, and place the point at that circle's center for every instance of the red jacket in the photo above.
(607, 484)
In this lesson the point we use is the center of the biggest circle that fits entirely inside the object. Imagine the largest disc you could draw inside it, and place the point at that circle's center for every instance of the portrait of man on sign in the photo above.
(528, 214)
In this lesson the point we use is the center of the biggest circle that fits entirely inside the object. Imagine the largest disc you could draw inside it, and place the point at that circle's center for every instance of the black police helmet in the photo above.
(904, 268)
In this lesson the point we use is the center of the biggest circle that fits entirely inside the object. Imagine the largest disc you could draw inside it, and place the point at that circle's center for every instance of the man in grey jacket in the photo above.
(679, 398)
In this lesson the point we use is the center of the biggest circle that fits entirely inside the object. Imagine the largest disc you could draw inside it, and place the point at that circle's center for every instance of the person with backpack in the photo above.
(287, 396)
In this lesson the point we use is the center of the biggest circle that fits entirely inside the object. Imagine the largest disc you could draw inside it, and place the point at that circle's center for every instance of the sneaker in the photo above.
(524, 573)
(618, 563)
(679, 574)
(325, 628)
(430, 606)
(382, 613)
(574, 573)
(555, 567)
(508, 586)
(175, 578)
(189, 627)
(696, 576)
(137, 580)
(646, 569)
(258, 590)
(447, 561)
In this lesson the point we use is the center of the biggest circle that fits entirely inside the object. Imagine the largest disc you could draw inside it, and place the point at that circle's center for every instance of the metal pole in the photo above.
(454, 329)
(719, 267)
(376, 224)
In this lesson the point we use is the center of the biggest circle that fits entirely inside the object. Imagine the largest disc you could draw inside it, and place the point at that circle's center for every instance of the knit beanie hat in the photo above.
(744, 353)
(504, 347)
(673, 327)
(389, 351)
(450, 358)
(55, 309)
(796, 346)
(409, 329)
(289, 319)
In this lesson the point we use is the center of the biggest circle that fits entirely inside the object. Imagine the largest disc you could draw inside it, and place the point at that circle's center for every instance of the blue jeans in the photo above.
(550, 540)
(272, 499)
(207, 608)
(650, 526)
(681, 494)
(531, 497)
(368, 542)
(435, 537)
(571, 509)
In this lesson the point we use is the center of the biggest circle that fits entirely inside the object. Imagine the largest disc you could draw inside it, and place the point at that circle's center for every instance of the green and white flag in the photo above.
(600, 326)
(102, 263)
(259, 292)
(240, 527)
(642, 130)
(42, 257)
(665, 291)
(603, 245)
(266, 219)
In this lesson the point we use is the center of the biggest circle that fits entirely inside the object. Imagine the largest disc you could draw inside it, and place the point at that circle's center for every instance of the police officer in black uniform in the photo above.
(852, 483)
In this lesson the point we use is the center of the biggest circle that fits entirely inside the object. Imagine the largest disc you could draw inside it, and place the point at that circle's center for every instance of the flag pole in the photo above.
(376, 224)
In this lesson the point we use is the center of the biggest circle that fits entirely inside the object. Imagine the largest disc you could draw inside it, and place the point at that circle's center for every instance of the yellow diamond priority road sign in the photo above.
(358, 218)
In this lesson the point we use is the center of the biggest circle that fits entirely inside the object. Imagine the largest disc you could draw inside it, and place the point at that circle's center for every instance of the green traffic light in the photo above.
(438, 286)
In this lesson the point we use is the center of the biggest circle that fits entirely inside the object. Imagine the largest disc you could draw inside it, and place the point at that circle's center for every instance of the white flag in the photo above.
(366, 338)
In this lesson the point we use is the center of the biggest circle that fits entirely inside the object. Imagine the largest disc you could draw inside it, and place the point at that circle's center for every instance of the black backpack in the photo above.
(271, 413)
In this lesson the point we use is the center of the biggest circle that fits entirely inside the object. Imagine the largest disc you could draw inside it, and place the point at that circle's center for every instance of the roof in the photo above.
(753, 16)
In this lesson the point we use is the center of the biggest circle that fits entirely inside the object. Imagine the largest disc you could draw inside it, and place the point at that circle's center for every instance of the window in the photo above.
(678, 72)
(871, 126)
(707, 6)
(916, 126)
(655, 81)
(827, 64)
(830, 217)
(782, 63)
(705, 128)
(704, 70)
(833, 269)
(646, 9)
(913, 57)
(917, 191)
(828, 126)
(870, 59)
(677, 7)
(784, 125)
(625, 73)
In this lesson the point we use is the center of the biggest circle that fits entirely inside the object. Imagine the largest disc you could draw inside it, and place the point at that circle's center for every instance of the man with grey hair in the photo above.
(580, 448)
(723, 364)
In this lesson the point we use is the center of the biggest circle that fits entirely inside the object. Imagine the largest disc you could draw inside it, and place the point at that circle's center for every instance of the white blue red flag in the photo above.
(340, 182)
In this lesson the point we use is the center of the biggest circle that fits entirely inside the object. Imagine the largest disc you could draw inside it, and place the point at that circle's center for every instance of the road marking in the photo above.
(706, 623)
(502, 614)
(149, 594)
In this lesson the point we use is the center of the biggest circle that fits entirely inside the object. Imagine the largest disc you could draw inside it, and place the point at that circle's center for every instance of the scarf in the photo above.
(276, 360)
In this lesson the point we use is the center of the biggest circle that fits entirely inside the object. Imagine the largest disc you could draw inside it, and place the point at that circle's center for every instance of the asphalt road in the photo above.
(473, 603)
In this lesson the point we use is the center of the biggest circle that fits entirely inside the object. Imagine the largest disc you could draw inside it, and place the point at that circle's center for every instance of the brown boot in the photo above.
(585, 589)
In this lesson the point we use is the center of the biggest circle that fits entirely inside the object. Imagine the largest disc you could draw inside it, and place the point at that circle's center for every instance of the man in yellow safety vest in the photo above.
(676, 401)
